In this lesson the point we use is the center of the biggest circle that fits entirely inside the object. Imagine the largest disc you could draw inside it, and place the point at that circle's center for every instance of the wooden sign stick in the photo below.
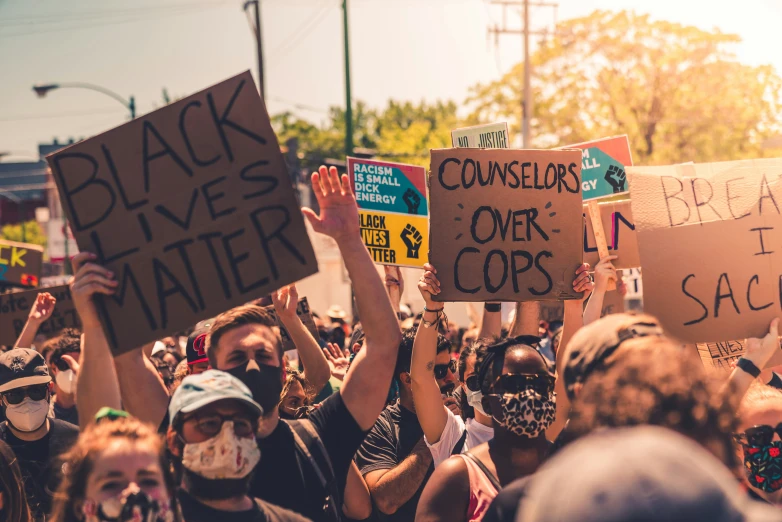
(600, 235)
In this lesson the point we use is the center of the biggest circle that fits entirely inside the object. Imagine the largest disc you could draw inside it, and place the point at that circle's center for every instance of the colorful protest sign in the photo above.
(190, 206)
(617, 220)
(20, 263)
(305, 314)
(489, 136)
(708, 237)
(505, 224)
(15, 307)
(603, 164)
(392, 202)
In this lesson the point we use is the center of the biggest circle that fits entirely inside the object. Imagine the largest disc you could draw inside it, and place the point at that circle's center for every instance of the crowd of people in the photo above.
(390, 416)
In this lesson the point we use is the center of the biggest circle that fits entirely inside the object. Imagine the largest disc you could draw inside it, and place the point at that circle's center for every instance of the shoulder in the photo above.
(452, 475)
(64, 429)
(274, 513)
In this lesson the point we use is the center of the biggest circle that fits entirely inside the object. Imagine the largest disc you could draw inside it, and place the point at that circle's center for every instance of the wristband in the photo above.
(433, 311)
(492, 307)
(748, 366)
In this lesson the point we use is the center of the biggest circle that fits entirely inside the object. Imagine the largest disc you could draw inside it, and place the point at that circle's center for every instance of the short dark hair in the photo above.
(490, 361)
(64, 344)
(405, 353)
(234, 318)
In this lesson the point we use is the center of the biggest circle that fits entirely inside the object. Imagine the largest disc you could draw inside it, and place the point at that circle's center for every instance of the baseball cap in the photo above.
(639, 474)
(196, 345)
(22, 367)
(590, 346)
(197, 391)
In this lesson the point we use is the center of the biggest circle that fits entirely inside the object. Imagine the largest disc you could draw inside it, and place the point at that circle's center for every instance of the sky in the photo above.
(401, 49)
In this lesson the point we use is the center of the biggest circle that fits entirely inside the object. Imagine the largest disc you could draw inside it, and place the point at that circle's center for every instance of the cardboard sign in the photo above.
(551, 311)
(15, 307)
(20, 263)
(505, 224)
(305, 314)
(719, 356)
(619, 228)
(392, 202)
(192, 209)
(709, 238)
(603, 164)
(490, 136)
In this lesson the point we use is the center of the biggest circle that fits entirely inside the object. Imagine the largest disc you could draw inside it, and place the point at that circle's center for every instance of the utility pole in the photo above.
(258, 45)
(525, 32)
(348, 101)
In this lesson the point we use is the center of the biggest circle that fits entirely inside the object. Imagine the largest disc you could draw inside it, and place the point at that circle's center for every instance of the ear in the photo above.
(173, 443)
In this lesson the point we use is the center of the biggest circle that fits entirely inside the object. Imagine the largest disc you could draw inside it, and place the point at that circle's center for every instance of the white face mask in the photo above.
(66, 380)
(28, 415)
(474, 399)
(224, 456)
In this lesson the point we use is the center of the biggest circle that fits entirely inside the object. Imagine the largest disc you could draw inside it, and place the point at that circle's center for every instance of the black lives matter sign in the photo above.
(505, 224)
(192, 209)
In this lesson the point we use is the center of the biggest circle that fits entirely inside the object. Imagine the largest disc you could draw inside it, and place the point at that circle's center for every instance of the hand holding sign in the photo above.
(429, 285)
(285, 300)
(760, 351)
(338, 217)
(605, 273)
(90, 279)
(42, 308)
(582, 282)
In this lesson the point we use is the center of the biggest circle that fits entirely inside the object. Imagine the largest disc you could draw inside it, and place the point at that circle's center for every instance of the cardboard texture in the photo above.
(708, 238)
(717, 357)
(192, 209)
(393, 210)
(621, 240)
(505, 224)
(489, 136)
(15, 307)
(20, 263)
(603, 166)
(305, 314)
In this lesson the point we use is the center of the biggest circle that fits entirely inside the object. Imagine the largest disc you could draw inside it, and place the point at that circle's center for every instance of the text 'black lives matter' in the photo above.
(190, 206)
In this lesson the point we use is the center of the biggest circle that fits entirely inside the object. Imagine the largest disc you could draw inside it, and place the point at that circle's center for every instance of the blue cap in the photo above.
(197, 391)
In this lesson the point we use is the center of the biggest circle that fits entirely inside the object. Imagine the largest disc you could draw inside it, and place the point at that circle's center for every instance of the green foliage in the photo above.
(33, 233)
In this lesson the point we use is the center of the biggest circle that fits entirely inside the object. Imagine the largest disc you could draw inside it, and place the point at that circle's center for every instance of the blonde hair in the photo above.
(759, 396)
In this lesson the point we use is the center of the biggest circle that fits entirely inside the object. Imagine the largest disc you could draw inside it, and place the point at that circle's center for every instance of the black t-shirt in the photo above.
(194, 511)
(775, 381)
(40, 463)
(278, 478)
(65, 414)
(392, 438)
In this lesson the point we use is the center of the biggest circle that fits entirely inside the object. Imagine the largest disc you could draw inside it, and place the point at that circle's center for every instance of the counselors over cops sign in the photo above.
(505, 224)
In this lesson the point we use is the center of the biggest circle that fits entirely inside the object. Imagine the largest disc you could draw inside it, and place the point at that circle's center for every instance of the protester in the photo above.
(37, 441)
(117, 470)
(296, 397)
(758, 440)
(394, 458)
(305, 463)
(64, 367)
(445, 433)
(637, 474)
(13, 501)
(212, 435)
(197, 361)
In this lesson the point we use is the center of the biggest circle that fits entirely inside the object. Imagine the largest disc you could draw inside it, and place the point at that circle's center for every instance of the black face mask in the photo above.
(265, 385)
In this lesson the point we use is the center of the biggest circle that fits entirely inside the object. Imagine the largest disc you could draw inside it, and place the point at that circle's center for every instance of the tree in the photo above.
(33, 233)
(677, 91)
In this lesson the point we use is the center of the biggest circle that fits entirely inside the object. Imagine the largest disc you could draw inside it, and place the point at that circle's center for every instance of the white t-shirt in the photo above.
(477, 434)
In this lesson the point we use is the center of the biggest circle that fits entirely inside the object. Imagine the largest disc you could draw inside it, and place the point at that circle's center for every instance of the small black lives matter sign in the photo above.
(192, 209)
(505, 224)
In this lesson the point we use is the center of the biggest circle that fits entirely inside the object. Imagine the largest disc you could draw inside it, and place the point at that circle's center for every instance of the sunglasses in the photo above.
(17, 395)
(441, 370)
(519, 382)
(210, 424)
(760, 435)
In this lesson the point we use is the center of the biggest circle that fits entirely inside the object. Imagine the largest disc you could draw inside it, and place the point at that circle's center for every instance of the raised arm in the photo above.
(395, 286)
(759, 352)
(366, 385)
(316, 367)
(526, 320)
(426, 394)
(573, 320)
(40, 311)
(604, 273)
(97, 384)
(491, 322)
(144, 395)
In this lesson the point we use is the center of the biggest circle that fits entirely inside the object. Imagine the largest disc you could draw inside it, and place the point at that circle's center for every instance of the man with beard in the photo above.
(212, 436)
(394, 458)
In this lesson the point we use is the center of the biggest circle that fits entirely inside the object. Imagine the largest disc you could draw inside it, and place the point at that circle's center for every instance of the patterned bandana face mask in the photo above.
(763, 466)
(135, 507)
(527, 414)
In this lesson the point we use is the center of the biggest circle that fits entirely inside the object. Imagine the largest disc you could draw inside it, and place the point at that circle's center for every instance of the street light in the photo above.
(42, 89)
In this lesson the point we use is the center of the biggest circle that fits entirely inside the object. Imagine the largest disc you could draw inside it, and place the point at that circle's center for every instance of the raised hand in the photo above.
(412, 200)
(90, 278)
(412, 239)
(286, 300)
(338, 209)
(605, 272)
(617, 178)
(760, 351)
(583, 282)
(429, 285)
(42, 308)
(337, 361)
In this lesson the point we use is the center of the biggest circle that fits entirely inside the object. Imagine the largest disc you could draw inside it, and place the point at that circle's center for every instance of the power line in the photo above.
(24, 117)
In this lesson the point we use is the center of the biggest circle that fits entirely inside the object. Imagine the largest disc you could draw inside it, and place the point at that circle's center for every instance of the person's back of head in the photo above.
(641, 474)
(14, 506)
(652, 381)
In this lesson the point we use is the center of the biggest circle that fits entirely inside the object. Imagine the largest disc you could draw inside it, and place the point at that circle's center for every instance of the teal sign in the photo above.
(389, 187)
(601, 175)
